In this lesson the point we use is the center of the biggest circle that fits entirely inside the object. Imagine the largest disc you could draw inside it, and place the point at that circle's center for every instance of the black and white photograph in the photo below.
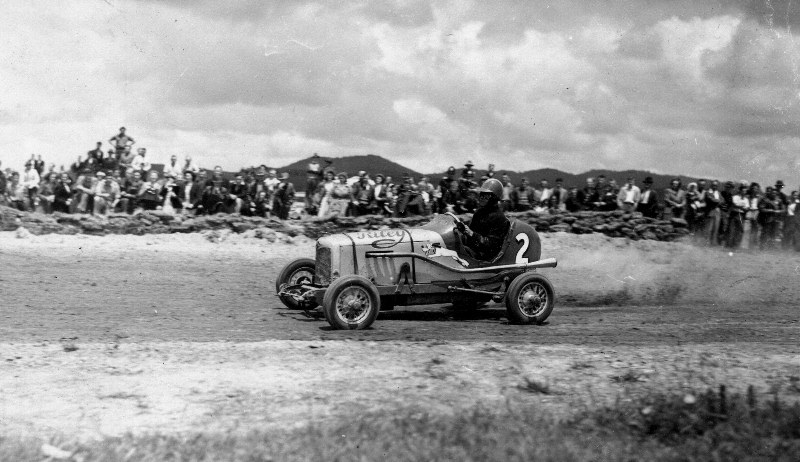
(399, 230)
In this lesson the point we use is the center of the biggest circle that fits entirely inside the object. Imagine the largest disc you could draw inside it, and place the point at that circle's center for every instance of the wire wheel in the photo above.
(532, 299)
(353, 305)
(351, 302)
(529, 299)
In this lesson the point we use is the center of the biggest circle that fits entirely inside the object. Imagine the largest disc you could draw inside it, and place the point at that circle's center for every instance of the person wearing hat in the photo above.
(484, 237)
(106, 194)
(283, 198)
(121, 142)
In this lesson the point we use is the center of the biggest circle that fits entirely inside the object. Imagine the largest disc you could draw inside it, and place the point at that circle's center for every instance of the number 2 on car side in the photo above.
(525, 241)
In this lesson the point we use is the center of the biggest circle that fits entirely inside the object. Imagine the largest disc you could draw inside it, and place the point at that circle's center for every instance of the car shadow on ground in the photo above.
(412, 313)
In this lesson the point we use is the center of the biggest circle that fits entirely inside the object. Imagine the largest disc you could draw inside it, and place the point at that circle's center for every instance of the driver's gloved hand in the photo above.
(461, 226)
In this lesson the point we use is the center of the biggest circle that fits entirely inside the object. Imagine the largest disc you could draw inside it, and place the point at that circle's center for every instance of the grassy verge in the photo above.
(712, 425)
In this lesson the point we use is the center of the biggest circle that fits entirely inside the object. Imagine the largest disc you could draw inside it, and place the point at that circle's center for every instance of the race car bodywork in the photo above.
(355, 275)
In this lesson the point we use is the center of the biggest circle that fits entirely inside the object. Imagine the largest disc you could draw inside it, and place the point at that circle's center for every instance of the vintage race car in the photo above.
(355, 275)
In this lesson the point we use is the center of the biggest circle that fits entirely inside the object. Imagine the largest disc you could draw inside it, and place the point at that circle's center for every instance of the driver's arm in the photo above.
(491, 236)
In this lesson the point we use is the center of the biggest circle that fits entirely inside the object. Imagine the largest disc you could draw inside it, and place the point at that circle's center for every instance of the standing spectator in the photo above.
(313, 179)
(713, 221)
(750, 237)
(559, 195)
(272, 181)
(325, 192)
(62, 194)
(140, 163)
(791, 231)
(695, 210)
(522, 198)
(648, 204)
(629, 196)
(542, 195)
(380, 198)
(783, 219)
(725, 206)
(770, 212)
(129, 193)
(31, 180)
(121, 142)
(106, 194)
(190, 166)
(675, 199)
(508, 190)
(173, 168)
(149, 195)
(468, 190)
(284, 197)
(736, 222)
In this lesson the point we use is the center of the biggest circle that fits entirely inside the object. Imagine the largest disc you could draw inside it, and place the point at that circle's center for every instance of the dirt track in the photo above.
(103, 335)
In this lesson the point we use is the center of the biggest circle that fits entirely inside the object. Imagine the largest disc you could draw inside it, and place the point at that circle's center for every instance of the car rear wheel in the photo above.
(529, 299)
(299, 271)
(351, 302)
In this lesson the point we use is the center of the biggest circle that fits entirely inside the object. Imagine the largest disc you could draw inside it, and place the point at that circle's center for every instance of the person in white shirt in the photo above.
(30, 180)
(272, 181)
(190, 166)
(173, 168)
(139, 163)
(629, 196)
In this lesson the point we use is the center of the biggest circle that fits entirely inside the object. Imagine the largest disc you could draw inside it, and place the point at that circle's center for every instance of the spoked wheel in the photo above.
(529, 299)
(299, 271)
(351, 302)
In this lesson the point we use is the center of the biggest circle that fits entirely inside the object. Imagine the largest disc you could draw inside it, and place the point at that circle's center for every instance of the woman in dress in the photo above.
(324, 191)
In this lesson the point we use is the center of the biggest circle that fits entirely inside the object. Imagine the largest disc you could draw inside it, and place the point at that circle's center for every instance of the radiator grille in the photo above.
(323, 265)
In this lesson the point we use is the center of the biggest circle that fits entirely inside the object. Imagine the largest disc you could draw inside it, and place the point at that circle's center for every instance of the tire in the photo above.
(351, 302)
(529, 299)
(296, 272)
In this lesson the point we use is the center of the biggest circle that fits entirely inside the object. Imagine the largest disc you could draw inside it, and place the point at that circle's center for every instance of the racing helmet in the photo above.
(493, 186)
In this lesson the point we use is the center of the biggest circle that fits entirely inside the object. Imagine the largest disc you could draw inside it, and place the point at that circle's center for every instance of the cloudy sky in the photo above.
(700, 88)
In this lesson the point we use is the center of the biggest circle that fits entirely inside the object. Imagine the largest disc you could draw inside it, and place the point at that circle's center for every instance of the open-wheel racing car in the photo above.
(355, 275)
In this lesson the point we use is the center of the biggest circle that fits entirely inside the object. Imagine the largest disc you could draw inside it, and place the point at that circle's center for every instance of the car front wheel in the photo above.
(529, 299)
(299, 271)
(351, 302)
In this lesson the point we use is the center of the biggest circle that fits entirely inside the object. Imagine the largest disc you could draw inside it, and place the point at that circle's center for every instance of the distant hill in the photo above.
(660, 181)
(371, 163)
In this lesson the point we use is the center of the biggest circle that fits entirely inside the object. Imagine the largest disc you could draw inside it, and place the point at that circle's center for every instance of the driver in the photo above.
(484, 237)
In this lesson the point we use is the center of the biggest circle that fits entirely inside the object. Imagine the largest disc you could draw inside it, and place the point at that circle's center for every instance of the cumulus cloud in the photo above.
(674, 87)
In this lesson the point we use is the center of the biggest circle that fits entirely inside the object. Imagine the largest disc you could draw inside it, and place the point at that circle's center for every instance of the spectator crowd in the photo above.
(731, 215)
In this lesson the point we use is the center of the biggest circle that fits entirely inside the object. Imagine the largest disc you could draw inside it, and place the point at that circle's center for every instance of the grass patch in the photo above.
(711, 425)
